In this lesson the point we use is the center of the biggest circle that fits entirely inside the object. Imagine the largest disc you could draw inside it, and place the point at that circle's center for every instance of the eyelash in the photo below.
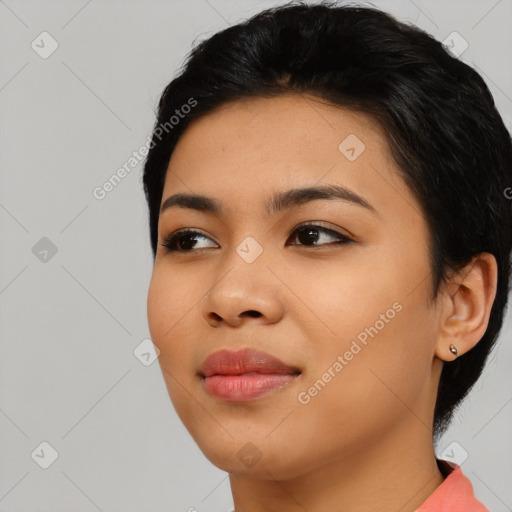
(170, 242)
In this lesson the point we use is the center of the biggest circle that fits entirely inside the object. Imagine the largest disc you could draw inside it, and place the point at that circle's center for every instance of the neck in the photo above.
(396, 474)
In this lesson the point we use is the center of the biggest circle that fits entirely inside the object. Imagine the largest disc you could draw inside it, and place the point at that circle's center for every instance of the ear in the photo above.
(467, 302)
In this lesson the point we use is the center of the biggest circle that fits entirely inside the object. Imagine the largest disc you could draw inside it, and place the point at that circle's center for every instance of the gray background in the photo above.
(70, 321)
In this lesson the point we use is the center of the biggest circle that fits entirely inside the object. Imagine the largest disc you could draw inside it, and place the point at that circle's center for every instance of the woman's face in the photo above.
(352, 318)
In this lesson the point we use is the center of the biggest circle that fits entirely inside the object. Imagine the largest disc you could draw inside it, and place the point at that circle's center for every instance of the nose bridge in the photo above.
(243, 267)
(243, 286)
(249, 234)
(249, 249)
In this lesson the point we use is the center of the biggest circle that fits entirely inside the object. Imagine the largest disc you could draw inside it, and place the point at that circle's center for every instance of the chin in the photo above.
(261, 460)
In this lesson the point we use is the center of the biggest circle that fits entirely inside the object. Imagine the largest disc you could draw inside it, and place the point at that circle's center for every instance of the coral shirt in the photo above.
(455, 494)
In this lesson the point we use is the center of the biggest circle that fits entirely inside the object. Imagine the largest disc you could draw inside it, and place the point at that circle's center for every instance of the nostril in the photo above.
(252, 313)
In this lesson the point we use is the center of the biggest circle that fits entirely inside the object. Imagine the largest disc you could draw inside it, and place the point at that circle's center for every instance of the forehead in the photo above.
(280, 123)
(255, 145)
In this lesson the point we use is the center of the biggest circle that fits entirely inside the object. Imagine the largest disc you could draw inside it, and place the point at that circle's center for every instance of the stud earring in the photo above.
(453, 350)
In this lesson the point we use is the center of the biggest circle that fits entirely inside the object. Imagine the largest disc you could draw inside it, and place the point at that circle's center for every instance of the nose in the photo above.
(245, 293)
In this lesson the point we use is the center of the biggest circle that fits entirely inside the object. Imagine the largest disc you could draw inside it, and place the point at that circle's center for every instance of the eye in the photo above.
(183, 241)
(308, 234)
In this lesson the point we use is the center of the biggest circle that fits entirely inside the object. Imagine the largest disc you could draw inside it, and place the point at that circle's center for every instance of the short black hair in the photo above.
(449, 142)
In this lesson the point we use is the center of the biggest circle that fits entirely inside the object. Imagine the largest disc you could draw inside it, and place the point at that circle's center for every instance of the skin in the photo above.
(364, 442)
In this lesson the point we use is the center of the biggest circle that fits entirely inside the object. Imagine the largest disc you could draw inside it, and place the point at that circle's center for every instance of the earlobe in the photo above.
(468, 299)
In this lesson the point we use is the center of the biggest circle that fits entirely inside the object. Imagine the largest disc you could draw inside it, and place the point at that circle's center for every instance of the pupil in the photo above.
(311, 235)
(186, 242)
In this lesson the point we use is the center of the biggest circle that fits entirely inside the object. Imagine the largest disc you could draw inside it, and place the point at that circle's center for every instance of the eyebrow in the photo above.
(278, 202)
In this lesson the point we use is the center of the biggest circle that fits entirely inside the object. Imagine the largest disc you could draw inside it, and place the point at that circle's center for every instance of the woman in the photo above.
(331, 239)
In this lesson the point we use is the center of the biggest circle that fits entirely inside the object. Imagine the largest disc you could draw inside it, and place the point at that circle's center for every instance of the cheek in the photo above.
(380, 383)
(344, 296)
(174, 301)
(167, 311)
(384, 333)
(159, 304)
(170, 298)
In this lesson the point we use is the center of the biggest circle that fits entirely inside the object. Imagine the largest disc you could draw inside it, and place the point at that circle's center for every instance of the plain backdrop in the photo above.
(79, 83)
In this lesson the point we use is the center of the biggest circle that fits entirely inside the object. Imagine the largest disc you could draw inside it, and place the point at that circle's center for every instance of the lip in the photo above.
(246, 360)
(245, 374)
